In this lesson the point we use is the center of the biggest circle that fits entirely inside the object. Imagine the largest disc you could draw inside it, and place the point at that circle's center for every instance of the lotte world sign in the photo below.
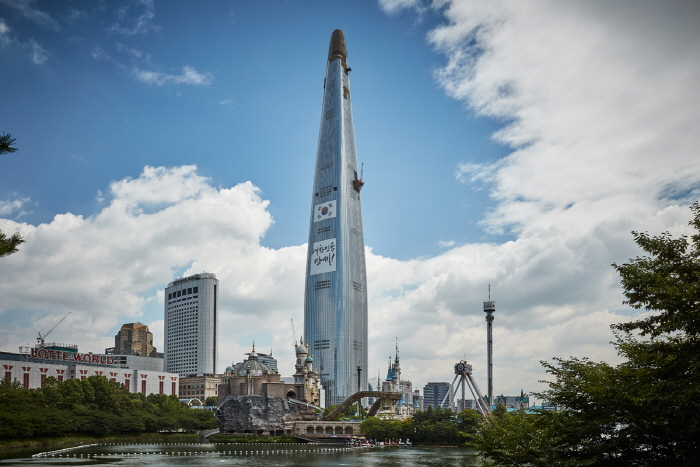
(72, 357)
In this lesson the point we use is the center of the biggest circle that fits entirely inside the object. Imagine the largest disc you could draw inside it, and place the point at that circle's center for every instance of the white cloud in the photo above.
(98, 53)
(4, 31)
(8, 207)
(394, 6)
(135, 53)
(142, 24)
(39, 55)
(104, 267)
(188, 76)
(227, 102)
(24, 7)
(598, 101)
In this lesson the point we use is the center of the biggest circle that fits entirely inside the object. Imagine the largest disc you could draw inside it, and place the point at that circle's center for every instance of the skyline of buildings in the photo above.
(191, 325)
(335, 306)
(335, 300)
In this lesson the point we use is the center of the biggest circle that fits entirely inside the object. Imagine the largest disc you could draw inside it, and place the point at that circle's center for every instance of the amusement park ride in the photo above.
(463, 371)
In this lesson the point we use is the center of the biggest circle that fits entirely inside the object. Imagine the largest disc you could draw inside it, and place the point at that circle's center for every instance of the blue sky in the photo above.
(250, 110)
(505, 143)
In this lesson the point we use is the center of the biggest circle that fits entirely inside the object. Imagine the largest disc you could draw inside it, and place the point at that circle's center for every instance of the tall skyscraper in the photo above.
(191, 325)
(335, 302)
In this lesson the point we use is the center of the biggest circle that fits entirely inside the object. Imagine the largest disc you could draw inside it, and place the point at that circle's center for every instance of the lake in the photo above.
(211, 454)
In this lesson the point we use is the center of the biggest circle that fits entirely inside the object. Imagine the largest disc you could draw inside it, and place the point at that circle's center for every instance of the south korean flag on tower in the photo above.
(324, 211)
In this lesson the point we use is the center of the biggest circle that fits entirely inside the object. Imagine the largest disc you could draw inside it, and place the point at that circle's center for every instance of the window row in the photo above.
(188, 291)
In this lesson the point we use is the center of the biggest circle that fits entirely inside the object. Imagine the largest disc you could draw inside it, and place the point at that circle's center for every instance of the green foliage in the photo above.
(519, 439)
(211, 401)
(347, 414)
(433, 426)
(642, 412)
(500, 410)
(93, 406)
(9, 245)
(6, 142)
(381, 429)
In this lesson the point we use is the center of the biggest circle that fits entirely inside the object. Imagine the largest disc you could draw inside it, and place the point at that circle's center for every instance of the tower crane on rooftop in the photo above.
(40, 339)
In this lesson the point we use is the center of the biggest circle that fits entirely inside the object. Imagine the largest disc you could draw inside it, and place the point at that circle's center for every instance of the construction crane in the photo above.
(41, 338)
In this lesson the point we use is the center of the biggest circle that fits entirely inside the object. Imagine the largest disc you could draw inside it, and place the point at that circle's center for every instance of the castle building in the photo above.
(191, 325)
(253, 377)
(394, 383)
(335, 302)
(513, 402)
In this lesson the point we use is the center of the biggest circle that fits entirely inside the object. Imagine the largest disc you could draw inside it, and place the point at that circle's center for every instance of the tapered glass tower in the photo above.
(335, 304)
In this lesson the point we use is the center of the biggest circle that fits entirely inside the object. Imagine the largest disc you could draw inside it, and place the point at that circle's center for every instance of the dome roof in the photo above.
(301, 348)
(253, 366)
(309, 359)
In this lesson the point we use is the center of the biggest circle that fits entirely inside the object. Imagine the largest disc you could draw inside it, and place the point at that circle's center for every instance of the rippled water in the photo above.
(268, 455)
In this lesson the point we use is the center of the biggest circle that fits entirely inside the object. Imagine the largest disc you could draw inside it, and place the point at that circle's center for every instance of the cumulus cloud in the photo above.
(104, 268)
(602, 112)
(188, 76)
(599, 104)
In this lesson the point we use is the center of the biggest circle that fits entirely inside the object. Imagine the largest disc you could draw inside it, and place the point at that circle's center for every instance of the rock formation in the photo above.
(261, 414)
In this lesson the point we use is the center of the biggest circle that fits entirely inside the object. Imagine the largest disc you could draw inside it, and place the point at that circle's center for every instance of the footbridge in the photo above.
(384, 399)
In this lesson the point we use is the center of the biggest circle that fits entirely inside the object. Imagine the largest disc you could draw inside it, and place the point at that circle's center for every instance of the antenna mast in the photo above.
(489, 309)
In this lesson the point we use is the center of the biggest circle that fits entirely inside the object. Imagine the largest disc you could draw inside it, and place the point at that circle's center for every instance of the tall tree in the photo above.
(8, 245)
(6, 142)
(644, 411)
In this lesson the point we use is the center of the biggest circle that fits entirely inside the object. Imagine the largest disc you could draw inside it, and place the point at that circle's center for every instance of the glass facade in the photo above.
(335, 302)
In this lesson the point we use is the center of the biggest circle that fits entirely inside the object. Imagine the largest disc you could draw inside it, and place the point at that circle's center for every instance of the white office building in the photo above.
(191, 325)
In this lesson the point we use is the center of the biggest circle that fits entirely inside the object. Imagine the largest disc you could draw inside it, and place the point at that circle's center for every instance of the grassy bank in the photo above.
(76, 439)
